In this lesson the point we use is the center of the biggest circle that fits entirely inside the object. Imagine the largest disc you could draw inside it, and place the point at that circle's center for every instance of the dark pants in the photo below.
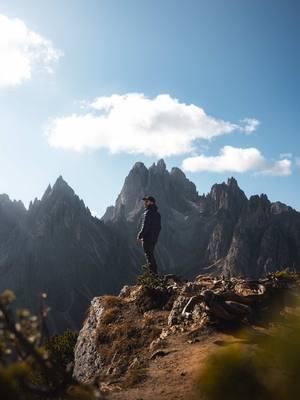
(148, 250)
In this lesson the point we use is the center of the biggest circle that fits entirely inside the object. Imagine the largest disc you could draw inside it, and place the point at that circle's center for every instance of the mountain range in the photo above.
(57, 246)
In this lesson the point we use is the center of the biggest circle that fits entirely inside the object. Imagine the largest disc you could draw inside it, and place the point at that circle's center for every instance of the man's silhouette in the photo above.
(149, 231)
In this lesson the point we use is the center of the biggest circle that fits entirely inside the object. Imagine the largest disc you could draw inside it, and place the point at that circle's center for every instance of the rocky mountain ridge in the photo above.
(220, 232)
(58, 247)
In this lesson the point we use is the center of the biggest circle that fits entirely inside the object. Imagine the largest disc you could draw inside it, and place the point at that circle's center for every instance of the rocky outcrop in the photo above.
(86, 350)
(124, 332)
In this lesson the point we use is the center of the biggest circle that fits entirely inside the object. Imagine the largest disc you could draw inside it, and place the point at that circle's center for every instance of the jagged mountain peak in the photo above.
(61, 185)
(59, 199)
(11, 213)
(159, 166)
(278, 207)
(138, 173)
(227, 196)
(230, 185)
(231, 181)
(170, 188)
(60, 189)
(6, 200)
(139, 165)
(177, 172)
(46, 193)
(259, 202)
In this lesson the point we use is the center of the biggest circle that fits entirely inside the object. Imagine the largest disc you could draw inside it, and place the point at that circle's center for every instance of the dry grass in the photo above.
(149, 320)
(123, 335)
(125, 338)
(112, 301)
(133, 377)
(110, 315)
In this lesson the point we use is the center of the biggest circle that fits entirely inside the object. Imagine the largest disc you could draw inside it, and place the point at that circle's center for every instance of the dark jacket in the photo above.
(151, 224)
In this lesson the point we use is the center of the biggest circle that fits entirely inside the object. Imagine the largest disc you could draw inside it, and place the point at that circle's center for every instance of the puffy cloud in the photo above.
(22, 50)
(230, 159)
(133, 123)
(279, 168)
(235, 159)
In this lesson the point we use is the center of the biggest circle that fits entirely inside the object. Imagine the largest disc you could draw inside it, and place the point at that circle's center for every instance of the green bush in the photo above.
(61, 348)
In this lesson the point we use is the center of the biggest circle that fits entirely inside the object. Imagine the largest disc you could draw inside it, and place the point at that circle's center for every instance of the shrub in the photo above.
(149, 280)
(61, 348)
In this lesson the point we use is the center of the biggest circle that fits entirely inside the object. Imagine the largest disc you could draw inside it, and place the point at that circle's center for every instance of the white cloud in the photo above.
(133, 123)
(297, 160)
(231, 159)
(234, 159)
(279, 168)
(250, 124)
(22, 51)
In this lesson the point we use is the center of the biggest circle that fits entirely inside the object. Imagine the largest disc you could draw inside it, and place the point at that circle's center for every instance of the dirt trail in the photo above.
(171, 377)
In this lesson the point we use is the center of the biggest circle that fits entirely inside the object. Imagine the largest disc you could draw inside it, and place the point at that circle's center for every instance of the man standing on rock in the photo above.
(149, 231)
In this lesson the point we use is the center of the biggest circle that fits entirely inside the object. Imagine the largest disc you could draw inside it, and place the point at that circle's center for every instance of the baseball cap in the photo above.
(151, 198)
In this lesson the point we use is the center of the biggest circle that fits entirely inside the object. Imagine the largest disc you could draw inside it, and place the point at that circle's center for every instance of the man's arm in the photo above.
(145, 225)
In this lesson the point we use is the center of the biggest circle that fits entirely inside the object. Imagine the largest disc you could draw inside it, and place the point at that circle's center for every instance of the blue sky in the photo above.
(210, 86)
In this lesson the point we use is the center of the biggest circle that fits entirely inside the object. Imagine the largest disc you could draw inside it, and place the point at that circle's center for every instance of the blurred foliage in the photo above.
(288, 275)
(264, 369)
(33, 364)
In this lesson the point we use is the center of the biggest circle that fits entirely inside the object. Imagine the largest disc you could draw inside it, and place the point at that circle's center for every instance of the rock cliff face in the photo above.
(11, 212)
(222, 232)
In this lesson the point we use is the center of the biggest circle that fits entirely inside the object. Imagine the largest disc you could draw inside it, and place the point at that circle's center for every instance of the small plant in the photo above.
(61, 348)
(148, 279)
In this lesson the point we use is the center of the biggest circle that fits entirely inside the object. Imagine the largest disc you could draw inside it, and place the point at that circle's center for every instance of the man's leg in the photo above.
(149, 250)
